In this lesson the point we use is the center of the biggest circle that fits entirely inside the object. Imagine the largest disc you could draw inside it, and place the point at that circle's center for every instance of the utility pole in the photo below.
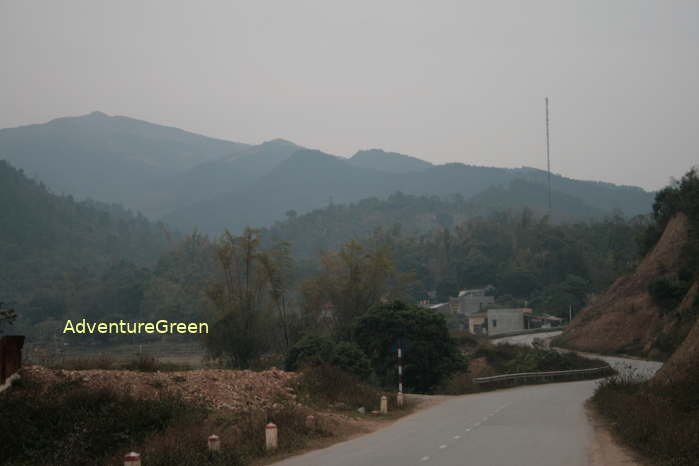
(548, 154)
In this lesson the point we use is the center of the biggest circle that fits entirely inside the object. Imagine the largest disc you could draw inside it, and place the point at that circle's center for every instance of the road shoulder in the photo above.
(605, 448)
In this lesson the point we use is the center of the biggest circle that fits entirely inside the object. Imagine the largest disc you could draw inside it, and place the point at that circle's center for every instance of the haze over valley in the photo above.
(194, 182)
(322, 233)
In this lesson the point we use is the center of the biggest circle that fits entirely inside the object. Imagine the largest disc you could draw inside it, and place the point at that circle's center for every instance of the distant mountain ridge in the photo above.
(193, 181)
(108, 158)
(390, 162)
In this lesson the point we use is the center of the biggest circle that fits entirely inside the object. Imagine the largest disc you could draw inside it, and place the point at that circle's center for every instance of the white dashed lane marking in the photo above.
(468, 429)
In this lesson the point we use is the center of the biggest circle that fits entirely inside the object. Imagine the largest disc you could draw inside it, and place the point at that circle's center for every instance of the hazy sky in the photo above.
(441, 80)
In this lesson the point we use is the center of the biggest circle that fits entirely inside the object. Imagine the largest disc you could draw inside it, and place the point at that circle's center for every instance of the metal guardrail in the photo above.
(541, 376)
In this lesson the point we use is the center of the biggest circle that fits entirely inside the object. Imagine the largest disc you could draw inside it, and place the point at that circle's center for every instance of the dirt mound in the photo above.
(686, 358)
(625, 319)
(237, 390)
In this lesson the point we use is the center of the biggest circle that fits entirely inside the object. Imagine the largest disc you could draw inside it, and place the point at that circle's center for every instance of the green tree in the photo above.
(351, 281)
(241, 296)
(278, 267)
(315, 349)
(7, 317)
(429, 352)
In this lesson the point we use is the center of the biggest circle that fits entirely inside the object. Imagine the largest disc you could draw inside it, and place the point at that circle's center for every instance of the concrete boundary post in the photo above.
(132, 459)
(384, 405)
(214, 443)
(271, 436)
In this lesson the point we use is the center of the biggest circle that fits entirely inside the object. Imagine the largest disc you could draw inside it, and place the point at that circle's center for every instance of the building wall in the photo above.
(470, 304)
(505, 320)
(476, 325)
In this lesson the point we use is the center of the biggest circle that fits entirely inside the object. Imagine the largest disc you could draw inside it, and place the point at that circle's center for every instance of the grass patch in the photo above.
(659, 420)
(325, 386)
(513, 359)
(138, 363)
(67, 423)
(242, 438)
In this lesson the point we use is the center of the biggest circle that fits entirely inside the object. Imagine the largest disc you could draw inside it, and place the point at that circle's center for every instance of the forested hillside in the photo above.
(60, 256)
(331, 226)
(63, 259)
(310, 180)
(445, 245)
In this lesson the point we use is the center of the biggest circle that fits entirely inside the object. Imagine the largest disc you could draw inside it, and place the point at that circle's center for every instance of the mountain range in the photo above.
(196, 182)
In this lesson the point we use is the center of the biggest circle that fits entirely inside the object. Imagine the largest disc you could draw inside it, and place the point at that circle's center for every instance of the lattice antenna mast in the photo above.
(548, 154)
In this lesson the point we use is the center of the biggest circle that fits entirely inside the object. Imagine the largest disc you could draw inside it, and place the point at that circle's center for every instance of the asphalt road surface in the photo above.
(527, 339)
(537, 425)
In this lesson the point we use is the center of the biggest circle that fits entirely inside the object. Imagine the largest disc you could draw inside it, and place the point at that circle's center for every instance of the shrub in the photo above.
(140, 363)
(457, 384)
(668, 293)
(510, 359)
(309, 350)
(350, 357)
(658, 419)
(241, 434)
(68, 423)
(316, 350)
(325, 385)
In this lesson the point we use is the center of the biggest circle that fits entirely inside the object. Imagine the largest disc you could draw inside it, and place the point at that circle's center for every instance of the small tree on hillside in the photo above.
(7, 317)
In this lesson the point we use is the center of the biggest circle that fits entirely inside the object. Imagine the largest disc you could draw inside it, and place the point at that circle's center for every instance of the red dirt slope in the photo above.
(685, 360)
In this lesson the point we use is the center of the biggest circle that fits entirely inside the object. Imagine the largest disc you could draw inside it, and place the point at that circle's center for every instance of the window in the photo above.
(495, 322)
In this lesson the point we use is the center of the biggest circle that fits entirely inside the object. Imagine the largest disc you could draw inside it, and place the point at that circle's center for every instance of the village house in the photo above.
(471, 301)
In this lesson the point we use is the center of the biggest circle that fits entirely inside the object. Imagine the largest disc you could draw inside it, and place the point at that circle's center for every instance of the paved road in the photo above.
(527, 339)
(538, 425)
(630, 367)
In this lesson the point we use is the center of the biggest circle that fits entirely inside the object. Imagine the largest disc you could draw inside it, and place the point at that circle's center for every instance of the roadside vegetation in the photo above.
(514, 359)
(487, 359)
(72, 423)
(139, 363)
(660, 420)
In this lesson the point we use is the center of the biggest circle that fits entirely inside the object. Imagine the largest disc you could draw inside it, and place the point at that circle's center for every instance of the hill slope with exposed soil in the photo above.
(627, 318)
(685, 360)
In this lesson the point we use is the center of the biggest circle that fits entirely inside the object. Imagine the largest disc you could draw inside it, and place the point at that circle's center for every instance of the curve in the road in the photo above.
(541, 425)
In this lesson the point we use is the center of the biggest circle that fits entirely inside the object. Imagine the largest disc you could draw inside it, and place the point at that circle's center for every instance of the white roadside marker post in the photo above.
(384, 405)
(271, 436)
(214, 443)
(132, 459)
